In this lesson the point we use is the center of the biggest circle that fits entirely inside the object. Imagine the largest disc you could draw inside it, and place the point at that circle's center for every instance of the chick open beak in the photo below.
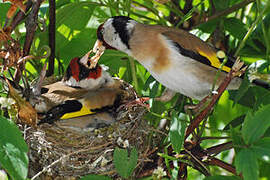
(98, 49)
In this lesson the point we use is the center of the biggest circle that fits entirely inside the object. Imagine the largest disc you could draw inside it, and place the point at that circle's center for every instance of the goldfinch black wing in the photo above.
(86, 103)
(193, 47)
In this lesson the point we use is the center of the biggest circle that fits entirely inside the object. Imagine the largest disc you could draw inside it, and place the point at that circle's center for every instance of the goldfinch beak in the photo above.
(98, 49)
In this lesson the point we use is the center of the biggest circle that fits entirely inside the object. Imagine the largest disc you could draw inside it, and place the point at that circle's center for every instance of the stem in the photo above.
(227, 11)
(133, 73)
(219, 148)
(189, 14)
(250, 30)
(223, 165)
(265, 35)
(51, 37)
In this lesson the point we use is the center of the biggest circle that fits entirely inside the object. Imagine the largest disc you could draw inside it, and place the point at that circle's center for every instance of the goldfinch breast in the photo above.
(152, 52)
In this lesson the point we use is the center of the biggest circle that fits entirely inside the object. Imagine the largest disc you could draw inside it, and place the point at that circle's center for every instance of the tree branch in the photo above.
(235, 71)
(20, 16)
(31, 26)
(223, 165)
(219, 148)
(51, 37)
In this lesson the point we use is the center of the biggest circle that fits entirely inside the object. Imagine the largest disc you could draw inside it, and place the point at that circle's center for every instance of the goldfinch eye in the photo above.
(102, 31)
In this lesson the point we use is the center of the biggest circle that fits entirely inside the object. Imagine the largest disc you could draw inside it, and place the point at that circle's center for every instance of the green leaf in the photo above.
(3, 12)
(255, 125)
(262, 97)
(95, 177)
(222, 178)
(209, 27)
(264, 170)
(254, 97)
(13, 150)
(235, 27)
(177, 131)
(235, 122)
(154, 89)
(81, 11)
(242, 90)
(225, 111)
(247, 99)
(148, 82)
(220, 4)
(262, 147)
(247, 164)
(77, 46)
(124, 162)
(236, 139)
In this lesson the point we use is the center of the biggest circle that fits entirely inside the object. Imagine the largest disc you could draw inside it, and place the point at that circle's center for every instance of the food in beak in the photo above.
(98, 50)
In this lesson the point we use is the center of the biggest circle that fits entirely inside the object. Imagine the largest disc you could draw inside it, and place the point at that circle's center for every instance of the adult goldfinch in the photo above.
(177, 59)
(82, 91)
(79, 74)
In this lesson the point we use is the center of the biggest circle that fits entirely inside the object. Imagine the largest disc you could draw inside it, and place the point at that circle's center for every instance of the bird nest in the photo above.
(57, 152)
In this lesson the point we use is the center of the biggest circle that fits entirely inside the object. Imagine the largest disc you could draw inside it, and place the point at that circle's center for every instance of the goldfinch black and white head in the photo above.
(116, 32)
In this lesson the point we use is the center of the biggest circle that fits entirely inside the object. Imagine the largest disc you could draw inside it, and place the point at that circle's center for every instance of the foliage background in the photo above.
(238, 27)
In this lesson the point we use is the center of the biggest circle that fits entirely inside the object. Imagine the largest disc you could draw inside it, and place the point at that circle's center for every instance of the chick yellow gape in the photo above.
(177, 59)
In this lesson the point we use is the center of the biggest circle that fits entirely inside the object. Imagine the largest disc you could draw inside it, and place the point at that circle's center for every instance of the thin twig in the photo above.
(250, 30)
(214, 137)
(57, 161)
(133, 73)
(199, 162)
(219, 148)
(222, 164)
(227, 11)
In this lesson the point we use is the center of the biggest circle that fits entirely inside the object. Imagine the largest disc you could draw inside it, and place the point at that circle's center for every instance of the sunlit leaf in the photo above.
(235, 27)
(262, 147)
(13, 150)
(256, 124)
(96, 177)
(222, 178)
(247, 164)
(177, 131)
(125, 162)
